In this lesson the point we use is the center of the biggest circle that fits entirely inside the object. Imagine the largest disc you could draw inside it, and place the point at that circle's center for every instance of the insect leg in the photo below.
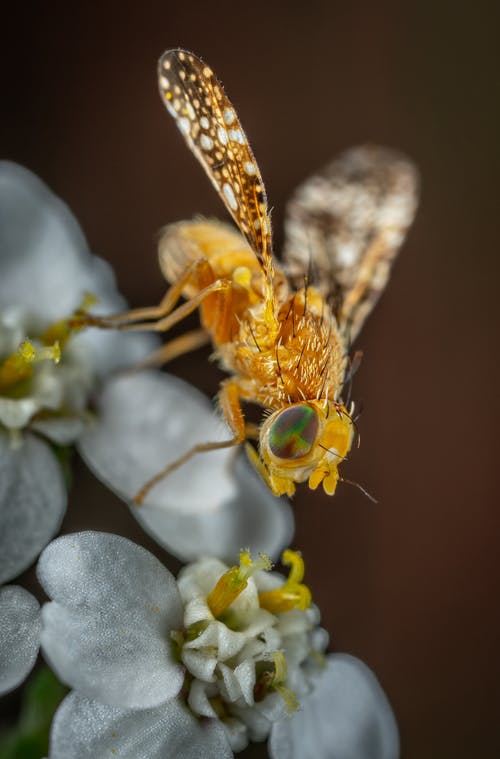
(190, 341)
(199, 272)
(231, 408)
(163, 325)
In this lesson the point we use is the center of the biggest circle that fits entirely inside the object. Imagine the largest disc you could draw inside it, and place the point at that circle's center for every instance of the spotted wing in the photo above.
(211, 128)
(345, 226)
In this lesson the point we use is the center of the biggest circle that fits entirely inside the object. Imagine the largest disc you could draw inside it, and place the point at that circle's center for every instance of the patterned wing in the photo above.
(211, 128)
(345, 225)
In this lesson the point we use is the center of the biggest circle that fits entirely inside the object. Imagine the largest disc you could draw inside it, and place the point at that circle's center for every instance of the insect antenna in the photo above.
(360, 487)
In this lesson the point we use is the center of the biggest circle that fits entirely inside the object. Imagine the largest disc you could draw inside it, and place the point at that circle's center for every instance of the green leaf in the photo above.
(29, 739)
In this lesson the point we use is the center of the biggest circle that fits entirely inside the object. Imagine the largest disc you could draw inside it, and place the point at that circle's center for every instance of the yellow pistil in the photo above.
(292, 594)
(64, 328)
(281, 672)
(234, 581)
(19, 365)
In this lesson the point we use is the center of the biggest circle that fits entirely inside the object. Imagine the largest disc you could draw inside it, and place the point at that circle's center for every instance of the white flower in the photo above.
(47, 371)
(19, 635)
(197, 667)
(212, 503)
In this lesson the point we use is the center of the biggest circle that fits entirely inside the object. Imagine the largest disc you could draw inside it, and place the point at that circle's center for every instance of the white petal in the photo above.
(346, 716)
(257, 725)
(60, 430)
(198, 698)
(212, 504)
(111, 350)
(15, 413)
(19, 635)
(46, 265)
(200, 664)
(32, 502)
(107, 632)
(253, 518)
(236, 733)
(230, 687)
(143, 421)
(218, 636)
(84, 729)
(245, 674)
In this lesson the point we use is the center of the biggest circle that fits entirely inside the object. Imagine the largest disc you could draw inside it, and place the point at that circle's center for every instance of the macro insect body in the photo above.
(282, 332)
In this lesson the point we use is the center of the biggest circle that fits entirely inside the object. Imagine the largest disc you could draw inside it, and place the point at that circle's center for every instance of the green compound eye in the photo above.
(294, 432)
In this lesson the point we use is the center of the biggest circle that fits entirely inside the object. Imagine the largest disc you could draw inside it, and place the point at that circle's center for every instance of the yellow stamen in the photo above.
(234, 581)
(19, 365)
(64, 328)
(292, 594)
(275, 680)
(280, 667)
(288, 697)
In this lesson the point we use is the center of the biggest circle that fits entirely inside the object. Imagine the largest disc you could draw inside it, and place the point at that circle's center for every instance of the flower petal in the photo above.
(60, 430)
(47, 267)
(19, 635)
(143, 421)
(346, 716)
(46, 264)
(83, 728)
(208, 504)
(32, 502)
(107, 631)
(111, 351)
(253, 518)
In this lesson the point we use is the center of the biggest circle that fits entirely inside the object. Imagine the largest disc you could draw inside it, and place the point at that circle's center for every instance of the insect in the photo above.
(282, 332)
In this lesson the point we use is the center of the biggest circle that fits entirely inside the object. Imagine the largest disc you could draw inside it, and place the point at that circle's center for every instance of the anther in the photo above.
(293, 594)
(234, 581)
(19, 365)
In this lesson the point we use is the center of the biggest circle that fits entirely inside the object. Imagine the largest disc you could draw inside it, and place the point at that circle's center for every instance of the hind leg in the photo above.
(229, 400)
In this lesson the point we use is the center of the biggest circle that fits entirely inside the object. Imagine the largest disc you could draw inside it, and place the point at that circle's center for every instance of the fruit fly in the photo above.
(281, 331)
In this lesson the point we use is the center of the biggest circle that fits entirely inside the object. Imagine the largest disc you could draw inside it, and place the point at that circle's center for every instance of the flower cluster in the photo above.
(219, 657)
(197, 665)
(48, 371)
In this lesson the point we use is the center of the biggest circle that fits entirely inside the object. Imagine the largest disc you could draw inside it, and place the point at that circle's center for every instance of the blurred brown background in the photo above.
(409, 585)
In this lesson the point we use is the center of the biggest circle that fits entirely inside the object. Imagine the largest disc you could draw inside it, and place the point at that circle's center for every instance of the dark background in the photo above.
(409, 585)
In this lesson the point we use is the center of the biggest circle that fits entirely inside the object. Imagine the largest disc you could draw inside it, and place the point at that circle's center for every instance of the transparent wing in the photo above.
(211, 128)
(345, 225)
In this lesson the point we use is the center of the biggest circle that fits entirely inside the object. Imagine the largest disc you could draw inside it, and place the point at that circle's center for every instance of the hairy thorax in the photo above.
(297, 354)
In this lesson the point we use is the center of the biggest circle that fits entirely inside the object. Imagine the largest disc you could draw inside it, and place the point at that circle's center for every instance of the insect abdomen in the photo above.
(186, 242)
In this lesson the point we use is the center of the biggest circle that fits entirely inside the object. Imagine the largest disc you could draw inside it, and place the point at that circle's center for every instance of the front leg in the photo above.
(198, 275)
(229, 401)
